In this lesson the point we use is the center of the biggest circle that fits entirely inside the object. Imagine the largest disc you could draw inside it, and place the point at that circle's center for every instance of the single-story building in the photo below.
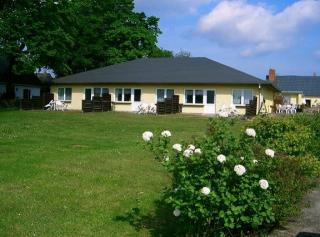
(297, 90)
(204, 86)
(27, 88)
(20, 86)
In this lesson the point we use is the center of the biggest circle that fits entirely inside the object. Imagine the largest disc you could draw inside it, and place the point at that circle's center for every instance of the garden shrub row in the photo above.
(229, 184)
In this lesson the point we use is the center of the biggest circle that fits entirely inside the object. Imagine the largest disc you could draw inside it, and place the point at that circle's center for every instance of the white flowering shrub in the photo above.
(227, 185)
(218, 185)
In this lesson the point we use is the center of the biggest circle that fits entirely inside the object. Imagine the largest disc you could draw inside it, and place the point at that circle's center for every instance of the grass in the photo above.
(72, 174)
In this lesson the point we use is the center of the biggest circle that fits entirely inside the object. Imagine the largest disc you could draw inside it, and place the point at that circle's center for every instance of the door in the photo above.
(209, 105)
(136, 99)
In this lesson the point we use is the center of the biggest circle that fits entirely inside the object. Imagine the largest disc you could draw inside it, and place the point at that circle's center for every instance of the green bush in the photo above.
(231, 185)
(313, 122)
(292, 177)
(283, 134)
(216, 185)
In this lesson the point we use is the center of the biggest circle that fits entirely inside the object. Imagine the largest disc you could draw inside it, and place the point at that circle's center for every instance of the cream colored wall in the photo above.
(295, 98)
(314, 100)
(223, 95)
(268, 95)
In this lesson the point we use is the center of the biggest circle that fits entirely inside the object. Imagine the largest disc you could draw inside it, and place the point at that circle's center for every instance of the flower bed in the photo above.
(224, 184)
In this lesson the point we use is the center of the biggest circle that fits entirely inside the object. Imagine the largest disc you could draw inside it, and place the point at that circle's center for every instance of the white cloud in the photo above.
(171, 6)
(256, 28)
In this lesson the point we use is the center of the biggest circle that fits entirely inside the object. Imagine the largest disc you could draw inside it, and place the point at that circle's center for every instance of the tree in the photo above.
(73, 36)
(183, 54)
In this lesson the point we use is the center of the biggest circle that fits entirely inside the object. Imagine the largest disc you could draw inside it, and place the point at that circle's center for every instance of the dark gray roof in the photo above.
(309, 85)
(164, 70)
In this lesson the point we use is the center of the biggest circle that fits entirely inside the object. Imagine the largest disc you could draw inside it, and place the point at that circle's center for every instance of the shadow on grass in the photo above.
(159, 223)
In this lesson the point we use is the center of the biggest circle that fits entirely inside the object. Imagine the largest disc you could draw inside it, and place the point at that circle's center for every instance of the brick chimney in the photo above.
(272, 75)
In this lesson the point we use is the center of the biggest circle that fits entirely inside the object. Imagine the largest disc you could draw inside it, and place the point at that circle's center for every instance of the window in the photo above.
(137, 95)
(123, 94)
(26, 94)
(210, 97)
(287, 99)
(87, 94)
(170, 93)
(163, 94)
(242, 97)
(194, 96)
(247, 94)
(199, 96)
(118, 94)
(237, 94)
(160, 95)
(189, 96)
(97, 92)
(64, 94)
(105, 91)
(127, 94)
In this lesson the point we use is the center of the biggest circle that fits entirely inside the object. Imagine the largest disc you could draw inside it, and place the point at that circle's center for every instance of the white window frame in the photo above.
(165, 92)
(122, 92)
(204, 97)
(64, 93)
(242, 96)
(92, 91)
(132, 95)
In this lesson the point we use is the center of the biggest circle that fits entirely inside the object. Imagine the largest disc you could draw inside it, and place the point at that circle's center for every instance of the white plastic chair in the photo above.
(59, 105)
(50, 105)
(293, 109)
(288, 109)
(233, 109)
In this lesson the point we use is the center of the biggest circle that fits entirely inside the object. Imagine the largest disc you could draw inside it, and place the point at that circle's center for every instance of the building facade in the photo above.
(297, 90)
(203, 86)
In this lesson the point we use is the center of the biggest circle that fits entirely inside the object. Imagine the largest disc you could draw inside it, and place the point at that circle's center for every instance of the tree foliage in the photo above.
(183, 54)
(74, 36)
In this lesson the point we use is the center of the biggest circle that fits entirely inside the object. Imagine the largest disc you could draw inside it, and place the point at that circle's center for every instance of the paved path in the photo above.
(308, 224)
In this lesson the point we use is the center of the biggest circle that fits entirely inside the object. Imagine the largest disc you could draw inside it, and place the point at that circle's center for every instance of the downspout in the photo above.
(259, 100)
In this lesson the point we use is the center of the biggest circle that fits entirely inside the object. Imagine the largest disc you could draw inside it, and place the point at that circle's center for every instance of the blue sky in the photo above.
(249, 35)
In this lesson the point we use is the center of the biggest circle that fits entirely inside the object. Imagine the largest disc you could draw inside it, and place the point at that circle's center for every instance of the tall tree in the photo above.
(72, 36)
(183, 54)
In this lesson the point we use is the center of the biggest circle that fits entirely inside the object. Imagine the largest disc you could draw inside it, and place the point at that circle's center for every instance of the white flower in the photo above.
(205, 191)
(166, 158)
(263, 184)
(223, 114)
(198, 151)
(187, 153)
(239, 169)
(191, 147)
(177, 147)
(147, 136)
(166, 133)
(221, 158)
(250, 132)
(255, 161)
(242, 158)
(176, 212)
(270, 152)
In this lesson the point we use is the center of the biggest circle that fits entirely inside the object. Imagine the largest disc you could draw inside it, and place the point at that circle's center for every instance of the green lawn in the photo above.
(72, 174)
